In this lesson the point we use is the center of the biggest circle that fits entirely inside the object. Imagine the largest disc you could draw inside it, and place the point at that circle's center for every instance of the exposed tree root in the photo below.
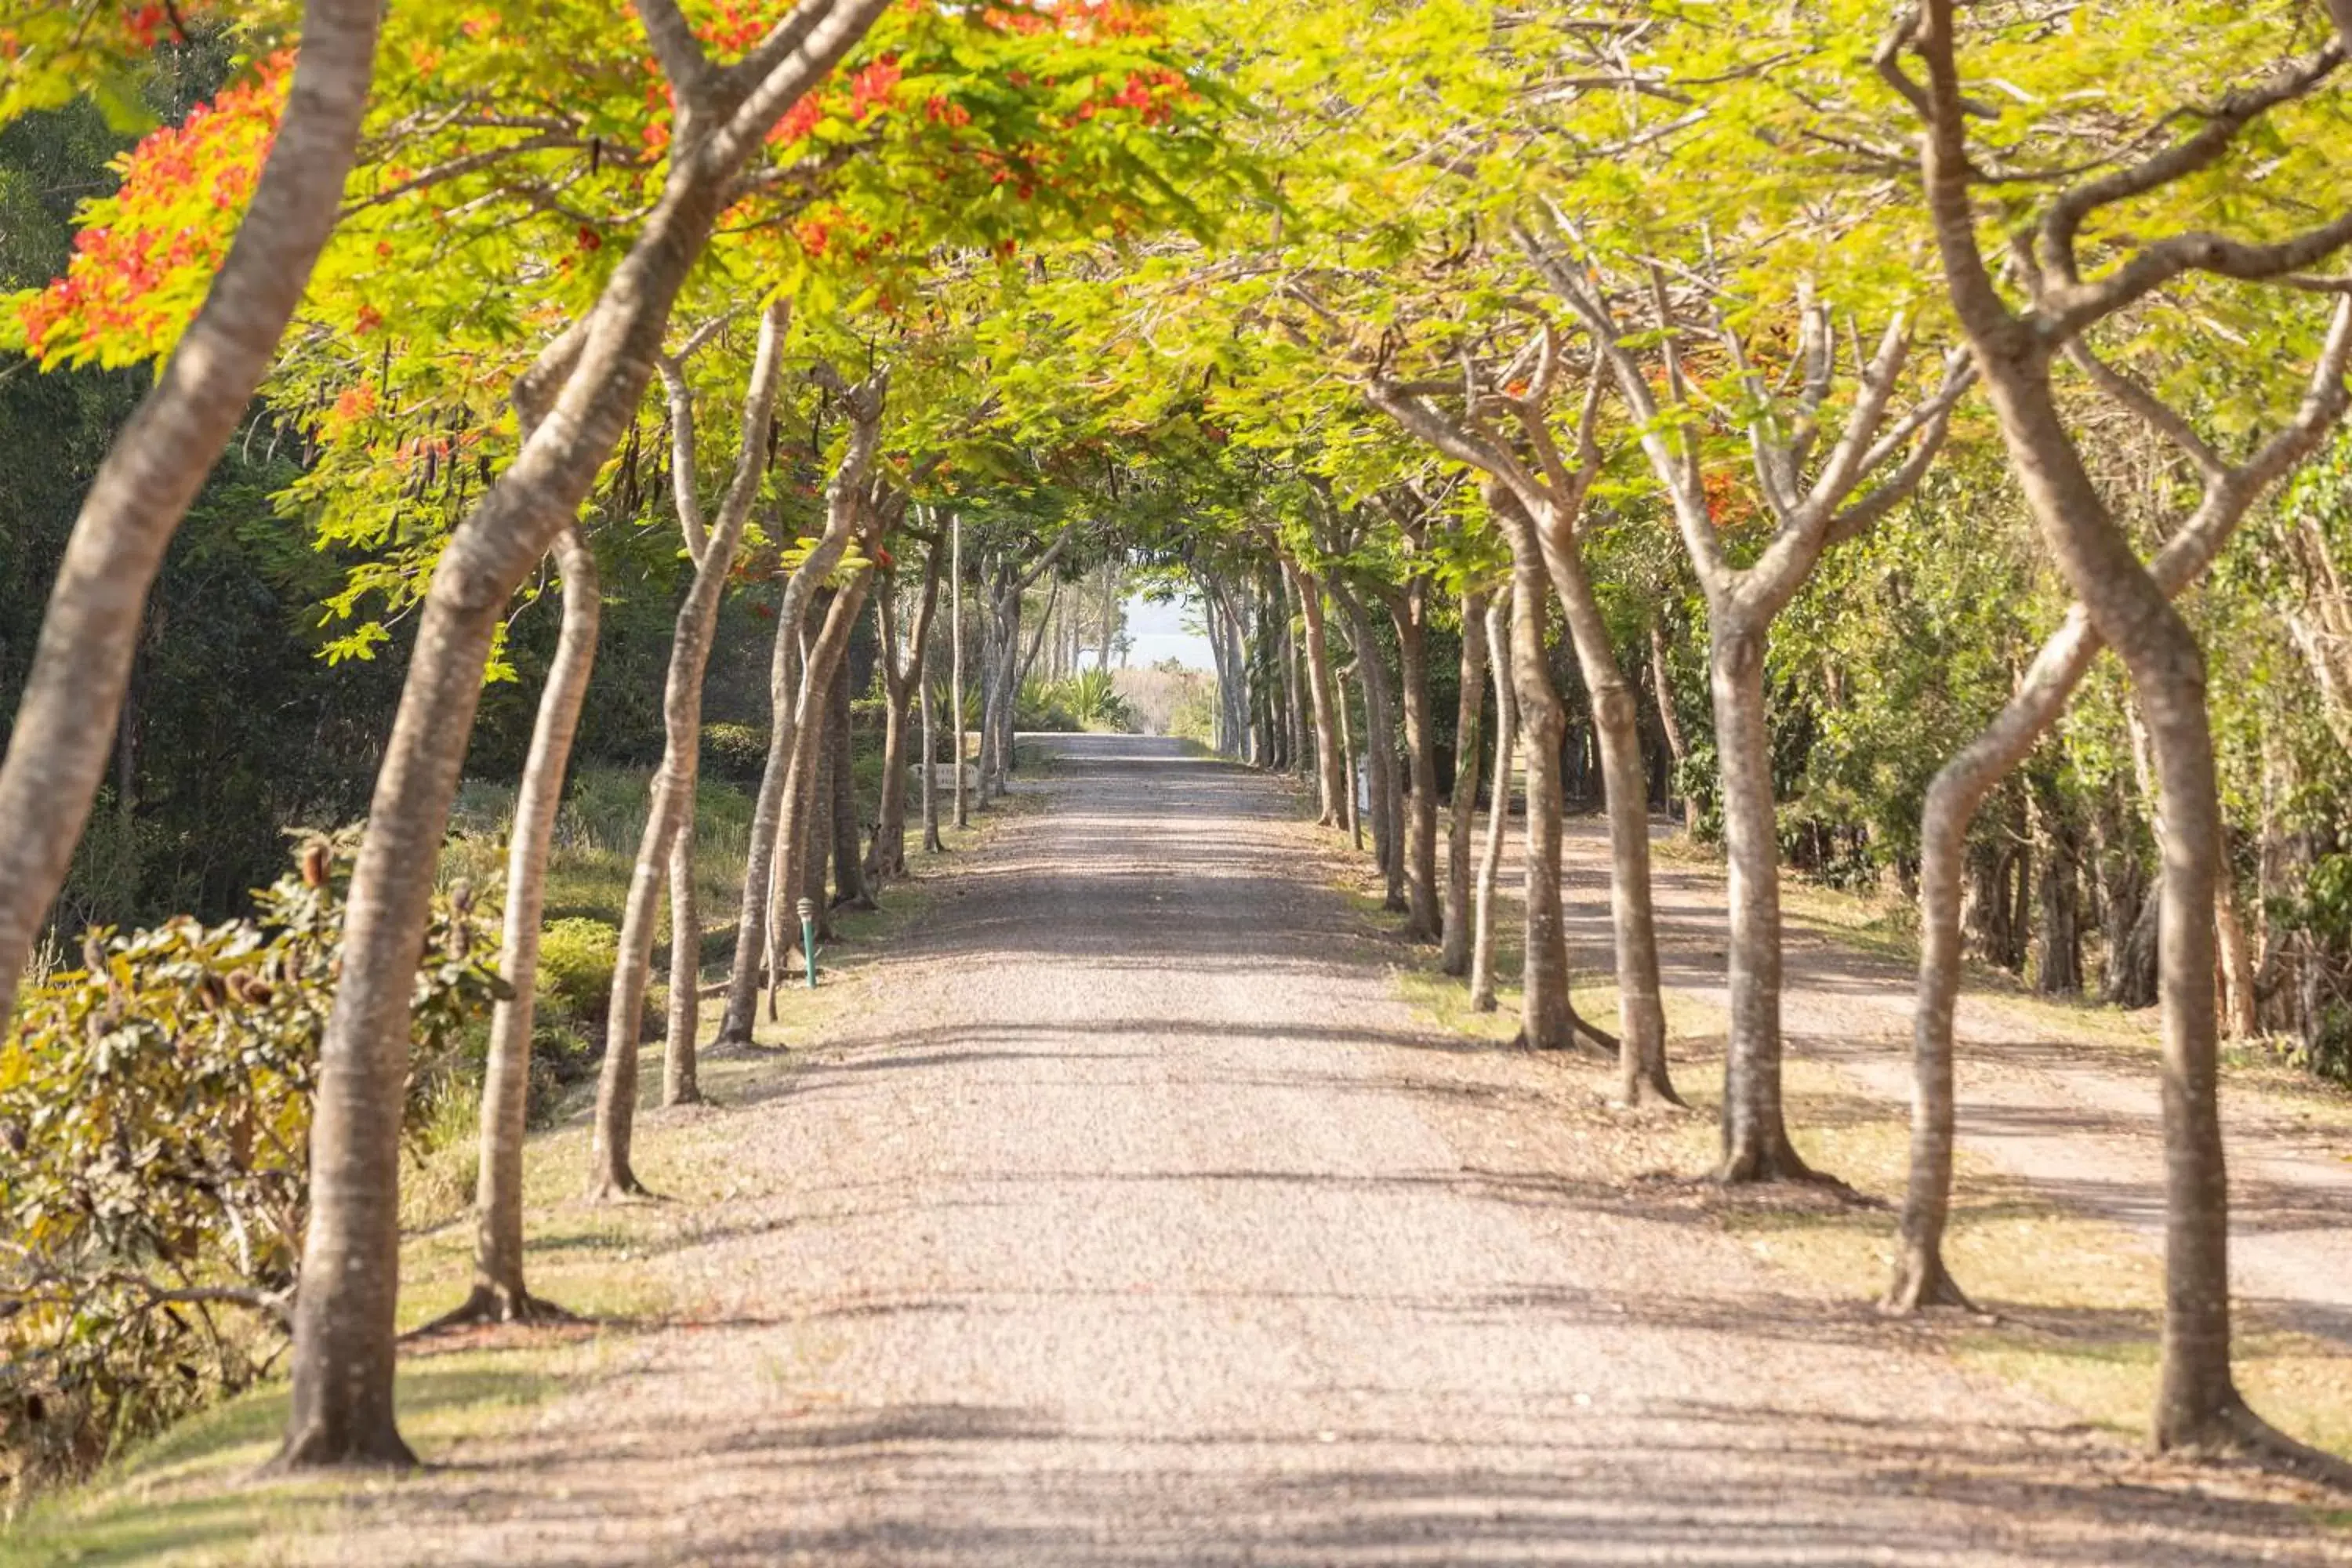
(1580, 1029)
(2235, 1430)
(1647, 1090)
(1771, 1160)
(493, 1304)
(620, 1188)
(320, 1448)
(1921, 1284)
(1594, 1032)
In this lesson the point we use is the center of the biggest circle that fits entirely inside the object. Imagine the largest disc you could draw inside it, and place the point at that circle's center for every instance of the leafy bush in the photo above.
(576, 960)
(155, 1114)
(735, 752)
(1087, 700)
(1094, 701)
(1039, 706)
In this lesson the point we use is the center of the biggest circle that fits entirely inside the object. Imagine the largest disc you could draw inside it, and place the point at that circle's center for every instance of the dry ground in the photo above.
(1136, 1219)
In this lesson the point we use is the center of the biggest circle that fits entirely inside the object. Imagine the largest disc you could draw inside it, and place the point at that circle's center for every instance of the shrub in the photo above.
(1087, 700)
(154, 1115)
(735, 752)
(576, 960)
(1092, 696)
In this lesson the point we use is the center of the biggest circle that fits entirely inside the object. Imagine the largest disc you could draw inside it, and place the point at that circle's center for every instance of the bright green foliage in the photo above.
(576, 959)
(1086, 701)
(154, 1110)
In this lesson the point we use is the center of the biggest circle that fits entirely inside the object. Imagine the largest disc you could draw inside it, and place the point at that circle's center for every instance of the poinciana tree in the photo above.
(289, 186)
(698, 126)
(2099, 246)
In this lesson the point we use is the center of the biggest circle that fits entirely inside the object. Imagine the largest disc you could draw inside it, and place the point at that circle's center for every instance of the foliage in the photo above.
(155, 1106)
(576, 959)
(736, 753)
(1087, 700)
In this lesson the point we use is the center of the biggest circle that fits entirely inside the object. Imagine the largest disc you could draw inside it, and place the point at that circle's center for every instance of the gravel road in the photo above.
(1139, 1224)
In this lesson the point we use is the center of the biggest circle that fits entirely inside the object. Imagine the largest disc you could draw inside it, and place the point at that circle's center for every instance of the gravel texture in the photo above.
(1137, 1223)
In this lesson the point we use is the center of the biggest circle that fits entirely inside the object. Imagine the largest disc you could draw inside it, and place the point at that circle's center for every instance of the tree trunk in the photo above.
(498, 1293)
(850, 891)
(610, 1173)
(900, 686)
(1333, 786)
(955, 678)
(807, 824)
(787, 690)
(1355, 806)
(1453, 956)
(1617, 729)
(1548, 1018)
(1498, 638)
(2058, 930)
(811, 865)
(931, 844)
(1756, 1146)
(1670, 723)
(1409, 612)
(1294, 686)
(681, 1084)
(1959, 788)
(2238, 1010)
(1380, 753)
(66, 718)
(887, 856)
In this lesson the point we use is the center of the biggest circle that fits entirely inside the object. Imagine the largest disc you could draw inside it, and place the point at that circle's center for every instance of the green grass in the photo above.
(194, 1495)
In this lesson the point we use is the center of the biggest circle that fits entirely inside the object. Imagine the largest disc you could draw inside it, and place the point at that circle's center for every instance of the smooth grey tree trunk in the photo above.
(670, 808)
(1332, 784)
(1547, 1019)
(1408, 613)
(900, 685)
(66, 716)
(1498, 816)
(682, 1024)
(848, 859)
(341, 1409)
(1662, 687)
(931, 844)
(787, 690)
(955, 654)
(2197, 1404)
(1642, 1074)
(1756, 1145)
(499, 1294)
(1340, 711)
(1380, 750)
(1454, 957)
